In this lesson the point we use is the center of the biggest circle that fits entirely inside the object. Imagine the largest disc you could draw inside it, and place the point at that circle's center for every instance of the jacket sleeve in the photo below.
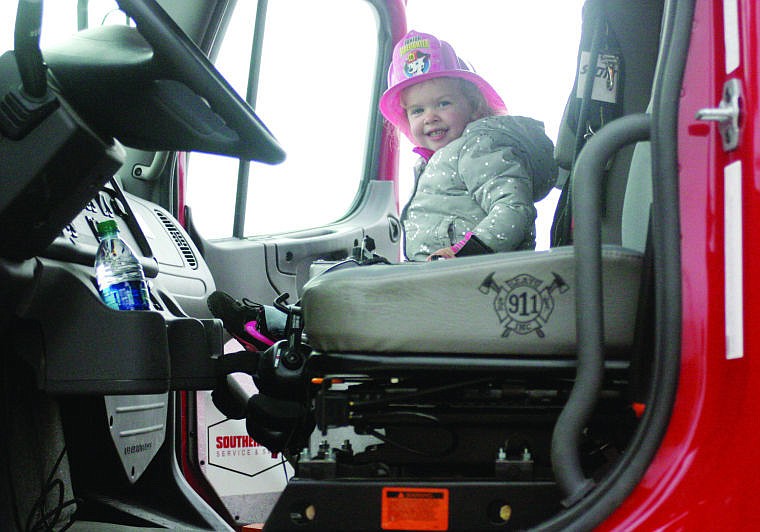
(501, 186)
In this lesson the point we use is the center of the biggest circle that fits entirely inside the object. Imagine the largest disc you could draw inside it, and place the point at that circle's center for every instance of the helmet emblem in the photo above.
(417, 63)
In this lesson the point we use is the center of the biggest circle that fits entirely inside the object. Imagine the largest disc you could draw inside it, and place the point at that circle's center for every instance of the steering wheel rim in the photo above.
(181, 60)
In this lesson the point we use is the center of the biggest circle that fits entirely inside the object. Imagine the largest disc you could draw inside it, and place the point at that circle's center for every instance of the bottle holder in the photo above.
(78, 345)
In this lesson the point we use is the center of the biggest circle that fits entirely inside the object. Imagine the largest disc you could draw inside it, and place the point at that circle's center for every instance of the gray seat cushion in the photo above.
(518, 303)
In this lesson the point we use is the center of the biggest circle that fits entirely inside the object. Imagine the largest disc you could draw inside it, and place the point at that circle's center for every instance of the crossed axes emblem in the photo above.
(521, 303)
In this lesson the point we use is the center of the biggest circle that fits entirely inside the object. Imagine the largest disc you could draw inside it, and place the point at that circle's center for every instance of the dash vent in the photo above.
(179, 239)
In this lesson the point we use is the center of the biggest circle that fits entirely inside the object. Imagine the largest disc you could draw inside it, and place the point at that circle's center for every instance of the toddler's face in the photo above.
(438, 111)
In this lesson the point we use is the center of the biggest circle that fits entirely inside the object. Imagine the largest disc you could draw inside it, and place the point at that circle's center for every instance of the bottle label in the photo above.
(129, 295)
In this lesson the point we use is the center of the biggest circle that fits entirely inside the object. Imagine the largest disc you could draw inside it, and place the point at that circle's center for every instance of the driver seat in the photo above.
(518, 307)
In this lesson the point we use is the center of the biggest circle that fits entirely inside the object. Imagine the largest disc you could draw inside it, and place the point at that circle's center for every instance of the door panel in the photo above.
(261, 268)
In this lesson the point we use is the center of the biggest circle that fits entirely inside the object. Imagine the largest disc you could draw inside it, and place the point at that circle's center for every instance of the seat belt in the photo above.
(598, 104)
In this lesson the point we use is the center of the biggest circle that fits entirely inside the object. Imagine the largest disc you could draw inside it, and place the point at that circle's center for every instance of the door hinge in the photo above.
(727, 114)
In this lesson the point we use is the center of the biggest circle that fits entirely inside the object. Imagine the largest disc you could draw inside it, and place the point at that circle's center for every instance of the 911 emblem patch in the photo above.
(523, 303)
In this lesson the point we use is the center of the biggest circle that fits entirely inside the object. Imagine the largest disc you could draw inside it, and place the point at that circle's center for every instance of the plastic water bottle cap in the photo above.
(107, 227)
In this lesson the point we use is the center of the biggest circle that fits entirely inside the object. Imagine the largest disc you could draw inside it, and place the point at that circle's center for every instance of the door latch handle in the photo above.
(727, 114)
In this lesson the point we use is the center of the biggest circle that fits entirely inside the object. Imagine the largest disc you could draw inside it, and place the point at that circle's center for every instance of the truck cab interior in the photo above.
(518, 390)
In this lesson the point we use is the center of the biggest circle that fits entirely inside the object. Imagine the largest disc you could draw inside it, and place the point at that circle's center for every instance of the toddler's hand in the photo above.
(445, 253)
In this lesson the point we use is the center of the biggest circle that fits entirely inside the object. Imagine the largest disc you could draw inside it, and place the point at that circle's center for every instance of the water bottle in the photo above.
(120, 277)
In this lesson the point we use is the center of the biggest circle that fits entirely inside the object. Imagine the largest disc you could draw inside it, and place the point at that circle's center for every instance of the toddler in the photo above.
(481, 170)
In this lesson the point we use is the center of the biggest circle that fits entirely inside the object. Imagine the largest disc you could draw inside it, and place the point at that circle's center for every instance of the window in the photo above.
(315, 94)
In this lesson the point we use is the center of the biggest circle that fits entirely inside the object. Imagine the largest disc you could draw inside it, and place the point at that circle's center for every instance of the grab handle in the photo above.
(587, 209)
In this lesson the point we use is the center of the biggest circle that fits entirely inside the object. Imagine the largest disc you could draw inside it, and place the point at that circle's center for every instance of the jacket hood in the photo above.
(528, 140)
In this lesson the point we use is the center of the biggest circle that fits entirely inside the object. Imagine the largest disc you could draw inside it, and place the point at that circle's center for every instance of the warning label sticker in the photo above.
(415, 509)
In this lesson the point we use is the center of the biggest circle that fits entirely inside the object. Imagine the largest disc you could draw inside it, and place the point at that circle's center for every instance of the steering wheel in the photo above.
(181, 60)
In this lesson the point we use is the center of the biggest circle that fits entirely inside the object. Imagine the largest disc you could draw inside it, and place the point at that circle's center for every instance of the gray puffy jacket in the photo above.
(486, 181)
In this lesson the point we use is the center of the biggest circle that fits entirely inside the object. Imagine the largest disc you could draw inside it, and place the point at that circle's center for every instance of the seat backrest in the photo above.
(638, 198)
(636, 30)
(637, 202)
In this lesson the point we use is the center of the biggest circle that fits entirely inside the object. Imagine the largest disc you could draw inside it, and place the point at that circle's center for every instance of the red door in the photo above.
(704, 476)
